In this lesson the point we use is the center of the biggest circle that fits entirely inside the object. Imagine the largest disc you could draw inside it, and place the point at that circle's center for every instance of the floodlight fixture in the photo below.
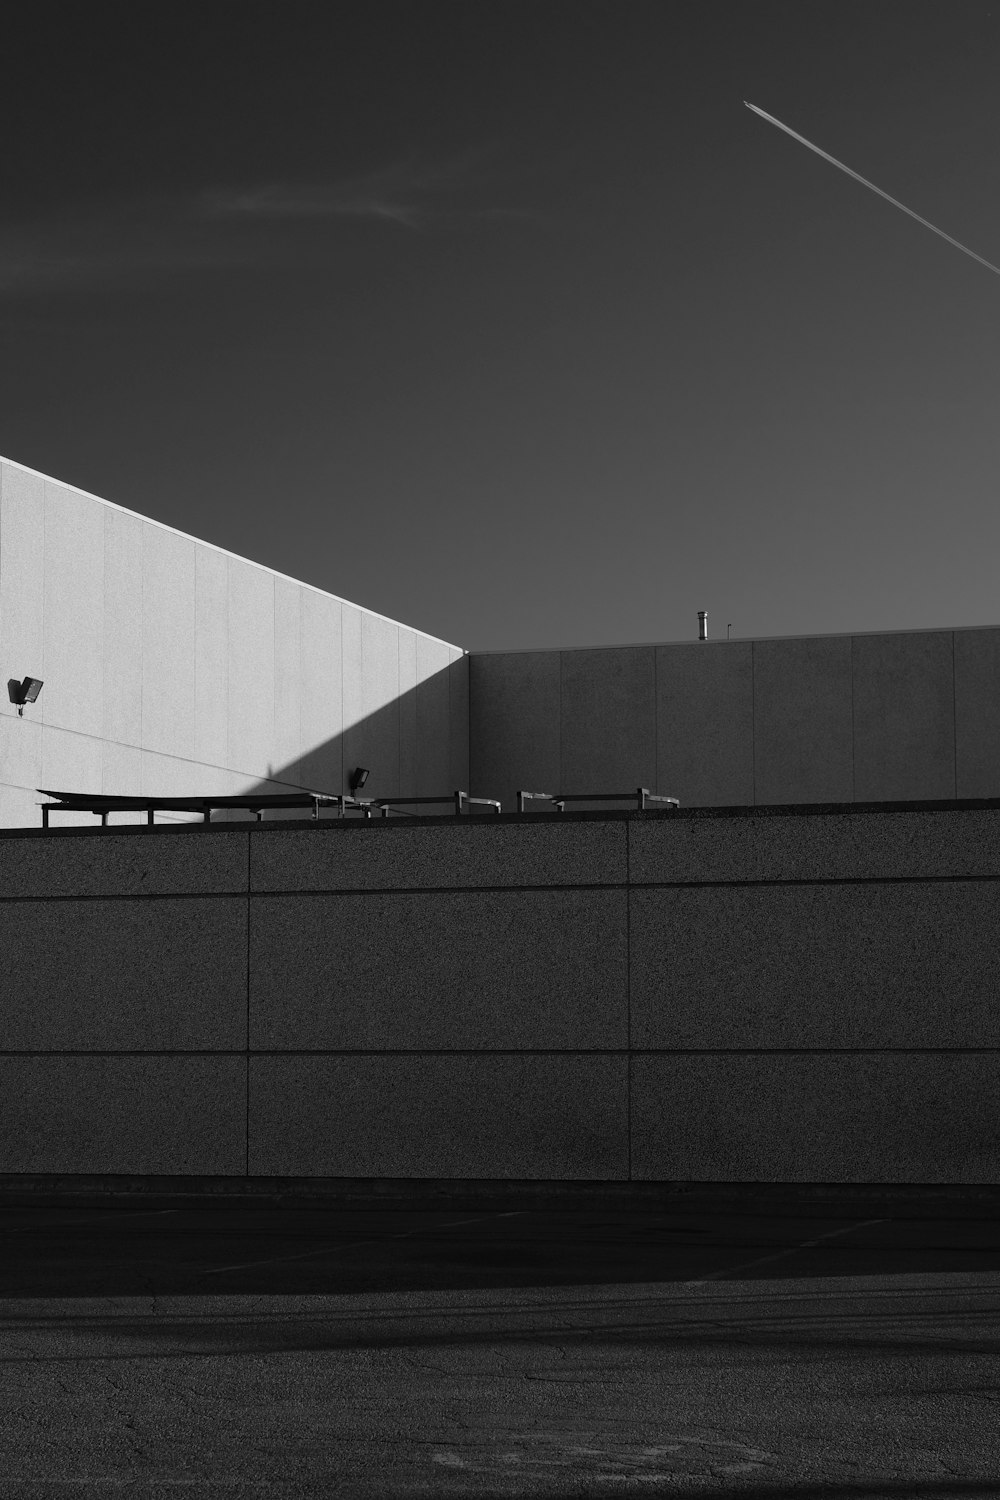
(358, 778)
(23, 692)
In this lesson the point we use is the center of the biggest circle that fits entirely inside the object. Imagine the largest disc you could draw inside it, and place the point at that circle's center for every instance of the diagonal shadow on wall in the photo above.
(416, 745)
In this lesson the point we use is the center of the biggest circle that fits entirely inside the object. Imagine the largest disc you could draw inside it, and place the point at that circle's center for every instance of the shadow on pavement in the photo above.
(88, 1252)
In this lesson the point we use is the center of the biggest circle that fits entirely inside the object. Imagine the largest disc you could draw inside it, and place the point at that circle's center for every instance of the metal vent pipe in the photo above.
(703, 624)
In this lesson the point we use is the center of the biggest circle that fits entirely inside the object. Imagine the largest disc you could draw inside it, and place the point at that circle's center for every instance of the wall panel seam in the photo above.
(813, 880)
(125, 896)
(430, 890)
(765, 882)
(235, 1052)
(434, 1052)
(816, 1051)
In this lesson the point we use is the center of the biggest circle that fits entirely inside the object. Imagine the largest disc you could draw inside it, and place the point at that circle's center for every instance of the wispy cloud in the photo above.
(227, 227)
(408, 193)
(310, 202)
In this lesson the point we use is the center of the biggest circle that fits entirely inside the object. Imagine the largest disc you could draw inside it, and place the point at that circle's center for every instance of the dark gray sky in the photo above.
(507, 319)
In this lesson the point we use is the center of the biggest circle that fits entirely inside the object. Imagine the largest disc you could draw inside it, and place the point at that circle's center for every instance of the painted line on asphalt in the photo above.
(141, 1213)
(381, 1239)
(763, 1260)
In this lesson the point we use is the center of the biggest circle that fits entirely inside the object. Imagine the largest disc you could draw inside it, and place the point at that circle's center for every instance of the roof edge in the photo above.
(225, 551)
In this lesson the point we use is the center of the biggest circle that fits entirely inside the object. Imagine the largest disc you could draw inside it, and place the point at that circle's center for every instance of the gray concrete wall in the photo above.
(741, 996)
(173, 668)
(908, 715)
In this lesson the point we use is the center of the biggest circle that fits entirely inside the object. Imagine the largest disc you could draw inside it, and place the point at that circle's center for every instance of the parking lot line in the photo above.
(357, 1244)
(763, 1260)
(142, 1213)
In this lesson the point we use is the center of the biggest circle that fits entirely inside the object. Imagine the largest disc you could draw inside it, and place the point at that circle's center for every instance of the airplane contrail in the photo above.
(865, 183)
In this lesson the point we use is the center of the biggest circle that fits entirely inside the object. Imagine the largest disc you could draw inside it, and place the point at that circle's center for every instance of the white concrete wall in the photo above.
(174, 668)
(907, 715)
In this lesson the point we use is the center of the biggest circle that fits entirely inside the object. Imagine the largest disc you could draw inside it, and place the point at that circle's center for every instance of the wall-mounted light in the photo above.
(23, 692)
(358, 778)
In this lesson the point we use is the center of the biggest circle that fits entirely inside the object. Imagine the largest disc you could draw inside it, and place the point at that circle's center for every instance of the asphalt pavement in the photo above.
(702, 1348)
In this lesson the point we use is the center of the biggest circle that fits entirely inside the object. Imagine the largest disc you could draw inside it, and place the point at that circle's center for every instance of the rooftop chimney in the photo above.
(703, 624)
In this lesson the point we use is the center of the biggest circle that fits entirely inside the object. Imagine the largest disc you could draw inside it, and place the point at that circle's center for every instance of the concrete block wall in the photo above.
(899, 716)
(174, 668)
(752, 995)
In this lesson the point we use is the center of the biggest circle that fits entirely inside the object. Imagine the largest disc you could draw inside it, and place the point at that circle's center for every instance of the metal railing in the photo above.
(460, 801)
(642, 797)
(103, 804)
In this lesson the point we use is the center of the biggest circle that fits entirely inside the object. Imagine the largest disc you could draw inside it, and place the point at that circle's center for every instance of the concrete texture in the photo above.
(890, 1117)
(22, 577)
(818, 846)
(427, 1030)
(170, 776)
(103, 864)
(211, 665)
(614, 689)
(904, 716)
(802, 734)
(433, 706)
(977, 712)
(148, 640)
(816, 966)
(125, 976)
(432, 1116)
(73, 605)
(460, 970)
(71, 763)
(151, 641)
(121, 776)
(514, 733)
(816, 719)
(396, 856)
(18, 807)
(408, 714)
(371, 730)
(321, 709)
(168, 642)
(20, 752)
(286, 744)
(122, 649)
(123, 1114)
(353, 689)
(251, 669)
(704, 723)
(458, 720)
